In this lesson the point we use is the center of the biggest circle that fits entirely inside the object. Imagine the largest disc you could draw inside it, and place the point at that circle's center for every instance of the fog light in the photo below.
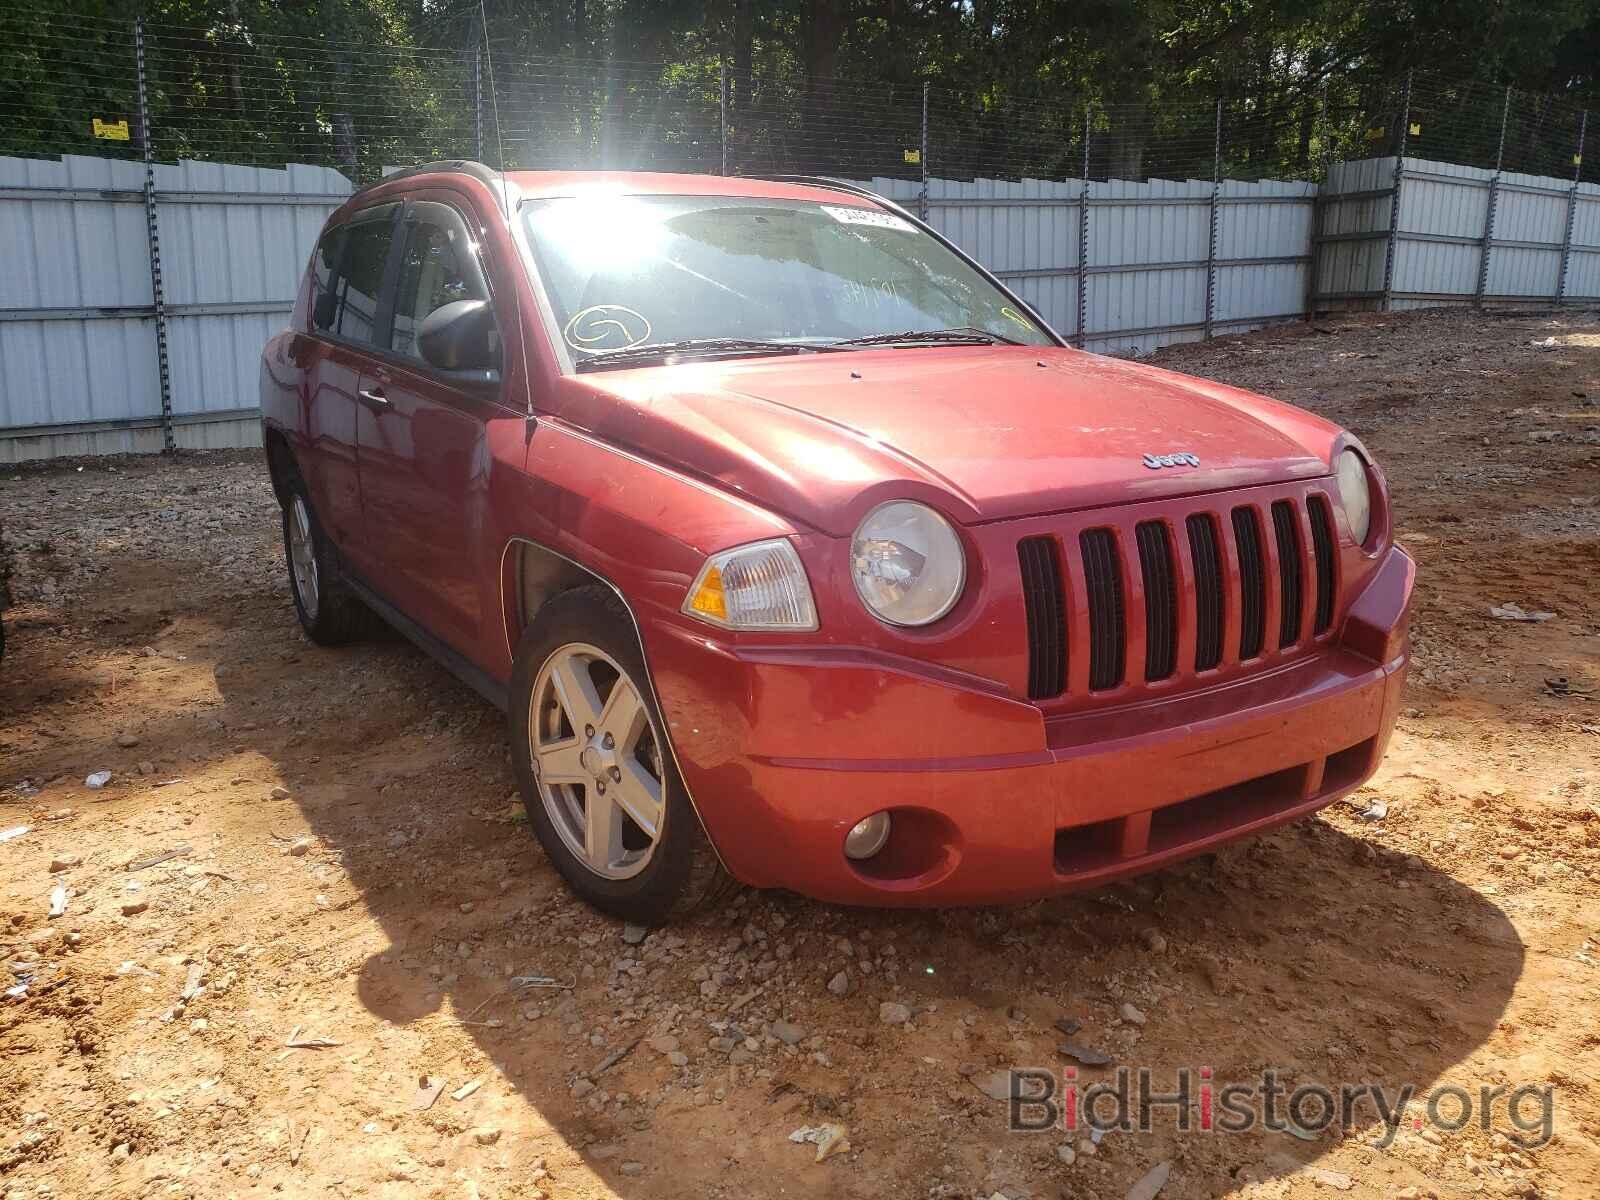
(868, 837)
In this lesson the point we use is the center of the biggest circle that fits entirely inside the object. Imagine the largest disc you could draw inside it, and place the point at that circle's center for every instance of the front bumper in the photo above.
(785, 749)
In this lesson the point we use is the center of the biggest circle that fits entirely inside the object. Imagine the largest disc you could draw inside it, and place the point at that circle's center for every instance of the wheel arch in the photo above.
(281, 465)
(531, 575)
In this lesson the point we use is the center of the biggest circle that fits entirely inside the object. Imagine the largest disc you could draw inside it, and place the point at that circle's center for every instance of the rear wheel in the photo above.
(329, 611)
(597, 777)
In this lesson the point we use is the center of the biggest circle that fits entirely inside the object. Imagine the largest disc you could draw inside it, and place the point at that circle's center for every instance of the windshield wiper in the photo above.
(965, 335)
(689, 347)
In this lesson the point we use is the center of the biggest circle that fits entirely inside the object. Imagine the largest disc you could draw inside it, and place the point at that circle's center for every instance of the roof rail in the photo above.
(822, 181)
(444, 166)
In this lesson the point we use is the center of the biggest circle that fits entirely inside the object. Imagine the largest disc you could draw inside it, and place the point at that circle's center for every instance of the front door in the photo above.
(424, 450)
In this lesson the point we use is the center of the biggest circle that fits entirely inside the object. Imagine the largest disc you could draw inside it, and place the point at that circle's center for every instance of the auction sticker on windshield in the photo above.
(865, 216)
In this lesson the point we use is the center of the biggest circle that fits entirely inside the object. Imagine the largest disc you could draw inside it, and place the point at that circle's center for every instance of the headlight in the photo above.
(908, 563)
(1355, 493)
(759, 586)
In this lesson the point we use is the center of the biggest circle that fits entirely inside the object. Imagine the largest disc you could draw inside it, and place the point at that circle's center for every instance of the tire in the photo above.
(572, 659)
(329, 611)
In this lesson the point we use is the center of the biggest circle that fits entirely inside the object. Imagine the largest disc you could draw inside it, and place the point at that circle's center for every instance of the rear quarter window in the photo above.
(325, 273)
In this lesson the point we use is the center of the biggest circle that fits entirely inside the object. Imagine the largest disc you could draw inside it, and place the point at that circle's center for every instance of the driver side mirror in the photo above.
(461, 336)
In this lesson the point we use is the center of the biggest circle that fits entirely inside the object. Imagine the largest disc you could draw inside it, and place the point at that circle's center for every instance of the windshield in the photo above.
(637, 271)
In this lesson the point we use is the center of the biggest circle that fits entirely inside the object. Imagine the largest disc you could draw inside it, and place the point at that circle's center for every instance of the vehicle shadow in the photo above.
(1332, 959)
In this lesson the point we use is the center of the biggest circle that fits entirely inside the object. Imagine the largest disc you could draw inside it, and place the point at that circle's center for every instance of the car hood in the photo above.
(986, 433)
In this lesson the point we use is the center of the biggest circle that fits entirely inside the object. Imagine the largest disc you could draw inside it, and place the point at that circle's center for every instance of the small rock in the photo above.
(132, 908)
(1154, 942)
(678, 1058)
(486, 1135)
(1131, 1014)
(1151, 1184)
(298, 847)
(280, 793)
(996, 1084)
(582, 1088)
(634, 934)
(632, 1168)
(1088, 1056)
(788, 1034)
(840, 984)
(1066, 1153)
(64, 862)
(1337, 1180)
(98, 780)
(891, 1013)
(121, 1151)
(127, 741)
(665, 1044)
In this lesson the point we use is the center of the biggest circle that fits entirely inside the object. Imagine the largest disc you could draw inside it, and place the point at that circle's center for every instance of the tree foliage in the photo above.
(363, 82)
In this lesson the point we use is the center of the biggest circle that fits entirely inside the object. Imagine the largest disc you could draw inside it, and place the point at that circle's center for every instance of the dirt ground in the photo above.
(346, 864)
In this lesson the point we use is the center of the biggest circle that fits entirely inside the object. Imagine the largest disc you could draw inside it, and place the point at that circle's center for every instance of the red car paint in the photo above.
(785, 741)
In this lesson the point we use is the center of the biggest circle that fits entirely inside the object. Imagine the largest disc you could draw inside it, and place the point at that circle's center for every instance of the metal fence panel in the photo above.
(1583, 270)
(71, 351)
(1440, 200)
(1450, 217)
(1148, 248)
(1257, 221)
(1531, 208)
(1351, 231)
(232, 255)
(78, 369)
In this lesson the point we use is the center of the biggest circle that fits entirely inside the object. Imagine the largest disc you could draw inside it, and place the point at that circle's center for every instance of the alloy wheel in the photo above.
(597, 760)
(303, 557)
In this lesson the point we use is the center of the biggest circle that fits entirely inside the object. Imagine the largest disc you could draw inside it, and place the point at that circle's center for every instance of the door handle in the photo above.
(374, 397)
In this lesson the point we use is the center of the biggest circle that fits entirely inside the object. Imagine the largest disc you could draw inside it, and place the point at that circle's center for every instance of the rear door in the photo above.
(422, 433)
(350, 265)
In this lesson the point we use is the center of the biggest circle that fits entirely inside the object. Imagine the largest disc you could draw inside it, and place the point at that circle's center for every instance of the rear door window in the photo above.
(366, 256)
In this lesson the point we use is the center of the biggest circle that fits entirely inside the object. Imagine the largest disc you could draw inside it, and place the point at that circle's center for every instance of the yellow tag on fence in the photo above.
(913, 156)
(112, 131)
(1416, 130)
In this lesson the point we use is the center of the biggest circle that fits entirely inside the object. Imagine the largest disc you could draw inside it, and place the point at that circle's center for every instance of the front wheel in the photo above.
(596, 775)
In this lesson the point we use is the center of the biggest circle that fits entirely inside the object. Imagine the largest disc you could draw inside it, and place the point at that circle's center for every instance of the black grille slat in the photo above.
(1045, 601)
(1160, 600)
(1252, 583)
(1207, 560)
(1107, 630)
(1322, 547)
(1287, 530)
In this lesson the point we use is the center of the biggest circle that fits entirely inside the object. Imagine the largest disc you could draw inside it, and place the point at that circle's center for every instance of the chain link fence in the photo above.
(231, 94)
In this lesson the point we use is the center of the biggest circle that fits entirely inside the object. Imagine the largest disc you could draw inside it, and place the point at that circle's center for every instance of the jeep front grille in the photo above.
(1255, 568)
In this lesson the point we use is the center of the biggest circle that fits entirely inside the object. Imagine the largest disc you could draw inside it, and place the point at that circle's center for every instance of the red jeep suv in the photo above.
(796, 547)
